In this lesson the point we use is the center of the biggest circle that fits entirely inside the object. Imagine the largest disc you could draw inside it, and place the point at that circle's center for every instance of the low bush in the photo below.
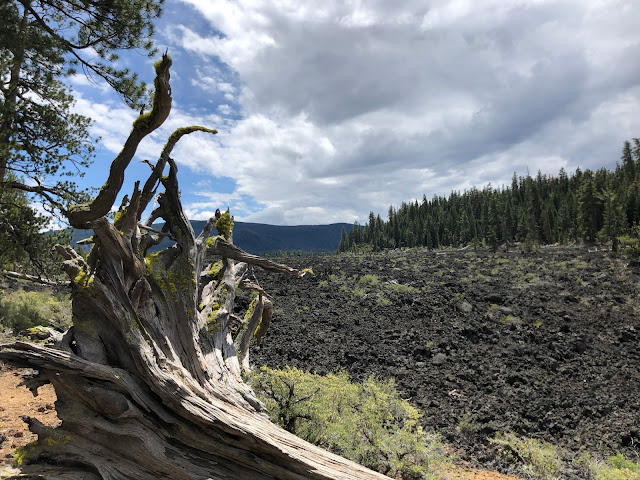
(533, 458)
(383, 301)
(21, 310)
(368, 423)
(358, 292)
(631, 244)
(615, 468)
(369, 279)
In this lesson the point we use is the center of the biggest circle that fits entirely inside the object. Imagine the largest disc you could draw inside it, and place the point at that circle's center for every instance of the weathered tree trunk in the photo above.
(148, 379)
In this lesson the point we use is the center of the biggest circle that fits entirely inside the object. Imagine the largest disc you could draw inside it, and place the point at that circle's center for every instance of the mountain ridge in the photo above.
(262, 238)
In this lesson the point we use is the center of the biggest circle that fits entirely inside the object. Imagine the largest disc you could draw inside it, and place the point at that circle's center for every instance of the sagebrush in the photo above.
(366, 422)
(21, 310)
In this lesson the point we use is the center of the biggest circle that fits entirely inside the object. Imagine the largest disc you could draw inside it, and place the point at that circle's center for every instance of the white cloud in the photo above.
(214, 82)
(112, 121)
(82, 80)
(350, 106)
(225, 109)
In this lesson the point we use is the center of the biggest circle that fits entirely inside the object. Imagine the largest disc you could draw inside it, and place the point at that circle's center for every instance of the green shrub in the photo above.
(533, 458)
(368, 423)
(619, 462)
(358, 292)
(631, 244)
(20, 310)
(369, 279)
(468, 425)
(458, 296)
(383, 301)
(615, 468)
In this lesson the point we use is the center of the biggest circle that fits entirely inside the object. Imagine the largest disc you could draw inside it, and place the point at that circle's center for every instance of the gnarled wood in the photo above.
(149, 378)
(81, 215)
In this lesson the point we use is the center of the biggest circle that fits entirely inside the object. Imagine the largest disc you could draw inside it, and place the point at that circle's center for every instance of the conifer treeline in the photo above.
(583, 206)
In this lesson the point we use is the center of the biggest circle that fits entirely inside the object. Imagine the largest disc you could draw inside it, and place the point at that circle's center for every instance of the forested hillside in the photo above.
(260, 239)
(586, 205)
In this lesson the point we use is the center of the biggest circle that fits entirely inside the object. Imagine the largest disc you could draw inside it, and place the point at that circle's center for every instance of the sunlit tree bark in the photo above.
(149, 378)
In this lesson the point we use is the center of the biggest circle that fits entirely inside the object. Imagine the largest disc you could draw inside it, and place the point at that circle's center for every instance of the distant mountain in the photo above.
(258, 238)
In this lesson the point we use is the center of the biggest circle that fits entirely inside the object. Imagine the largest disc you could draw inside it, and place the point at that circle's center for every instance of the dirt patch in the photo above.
(17, 401)
(545, 345)
(467, 473)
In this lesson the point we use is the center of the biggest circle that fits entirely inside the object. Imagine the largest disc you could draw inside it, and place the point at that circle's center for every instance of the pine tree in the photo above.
(564, 223)
(614, 223)
(25, 249)
(370, 228)
(563, 181)
(493, 224)
(343, 246)
(543, 209)
(628, 165)
(355, 234)
(506, 221)
(531, 225)
(636, 157)
(588, 208)
(42, 143)
(632, 203)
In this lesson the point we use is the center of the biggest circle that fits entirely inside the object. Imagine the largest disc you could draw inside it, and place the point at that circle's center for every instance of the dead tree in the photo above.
(148, 379)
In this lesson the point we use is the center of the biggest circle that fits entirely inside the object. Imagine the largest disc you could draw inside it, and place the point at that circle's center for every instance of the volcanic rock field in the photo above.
(545, 345)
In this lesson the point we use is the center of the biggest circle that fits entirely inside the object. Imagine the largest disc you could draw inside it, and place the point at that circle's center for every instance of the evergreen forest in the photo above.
(585, 206)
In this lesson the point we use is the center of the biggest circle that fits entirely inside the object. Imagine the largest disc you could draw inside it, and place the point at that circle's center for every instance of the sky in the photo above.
(327, 110)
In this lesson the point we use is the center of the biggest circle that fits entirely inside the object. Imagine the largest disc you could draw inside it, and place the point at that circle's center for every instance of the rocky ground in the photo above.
(17, 403)
(545, 345)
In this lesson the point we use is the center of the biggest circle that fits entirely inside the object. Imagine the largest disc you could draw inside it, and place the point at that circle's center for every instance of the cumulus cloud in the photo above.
(329, 109)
